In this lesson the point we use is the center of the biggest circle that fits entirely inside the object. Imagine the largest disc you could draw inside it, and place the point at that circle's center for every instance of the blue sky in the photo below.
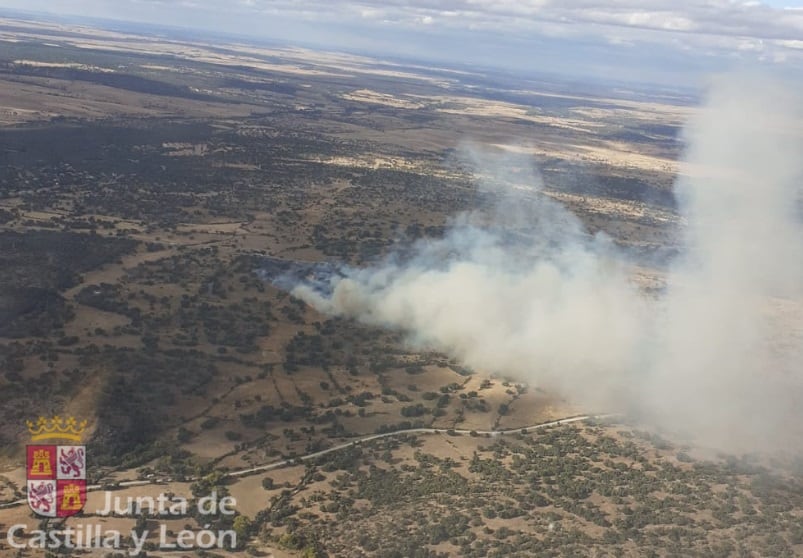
(648, 40)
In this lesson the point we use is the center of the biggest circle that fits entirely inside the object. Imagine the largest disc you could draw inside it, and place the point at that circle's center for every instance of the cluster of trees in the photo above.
(546, 481)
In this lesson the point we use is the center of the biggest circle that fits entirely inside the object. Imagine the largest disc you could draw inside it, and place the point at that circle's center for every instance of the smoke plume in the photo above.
(728, 363)
(524, 290)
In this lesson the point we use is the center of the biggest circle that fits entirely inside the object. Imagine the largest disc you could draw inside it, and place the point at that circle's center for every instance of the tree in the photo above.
(242, 527)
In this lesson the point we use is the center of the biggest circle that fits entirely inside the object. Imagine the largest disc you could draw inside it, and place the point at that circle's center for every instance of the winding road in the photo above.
(357, 442)
(352, 443)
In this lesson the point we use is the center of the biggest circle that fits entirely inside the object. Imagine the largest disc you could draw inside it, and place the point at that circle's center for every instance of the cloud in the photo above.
(500, 32)
(715, 17)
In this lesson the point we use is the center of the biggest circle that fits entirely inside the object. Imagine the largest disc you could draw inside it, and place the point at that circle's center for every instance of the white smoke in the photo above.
(729, 362)
(527, 292)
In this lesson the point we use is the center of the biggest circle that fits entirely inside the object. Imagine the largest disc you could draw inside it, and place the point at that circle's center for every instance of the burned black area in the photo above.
(287, 274)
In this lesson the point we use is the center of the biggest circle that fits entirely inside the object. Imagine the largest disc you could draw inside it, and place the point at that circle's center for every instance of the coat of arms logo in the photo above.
(56, 473)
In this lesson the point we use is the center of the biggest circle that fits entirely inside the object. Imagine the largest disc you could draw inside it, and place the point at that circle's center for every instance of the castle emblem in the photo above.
(56, 473)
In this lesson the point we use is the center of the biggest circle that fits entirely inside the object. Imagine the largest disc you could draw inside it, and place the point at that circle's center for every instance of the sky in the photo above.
(633, 40)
